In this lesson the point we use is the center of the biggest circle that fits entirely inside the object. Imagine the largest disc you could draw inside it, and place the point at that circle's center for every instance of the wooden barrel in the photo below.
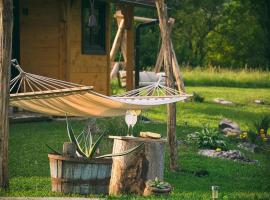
(79, 175)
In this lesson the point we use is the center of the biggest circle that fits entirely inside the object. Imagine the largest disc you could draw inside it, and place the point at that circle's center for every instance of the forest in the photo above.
(230, 34)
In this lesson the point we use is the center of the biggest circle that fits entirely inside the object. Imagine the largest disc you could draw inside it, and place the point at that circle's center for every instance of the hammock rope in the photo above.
(57, 97)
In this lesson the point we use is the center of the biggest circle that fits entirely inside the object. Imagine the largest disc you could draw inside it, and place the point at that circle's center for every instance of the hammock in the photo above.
(56, 97)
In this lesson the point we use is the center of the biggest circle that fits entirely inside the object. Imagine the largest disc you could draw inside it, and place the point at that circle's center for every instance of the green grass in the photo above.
(29, 169)
(214, 76)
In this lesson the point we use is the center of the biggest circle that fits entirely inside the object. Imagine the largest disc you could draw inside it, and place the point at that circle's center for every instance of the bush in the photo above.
(209, 138)
(197, 97)
(262, 125)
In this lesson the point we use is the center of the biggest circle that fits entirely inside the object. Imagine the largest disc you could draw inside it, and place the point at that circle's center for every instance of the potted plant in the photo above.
(78, 169)
(157, 187)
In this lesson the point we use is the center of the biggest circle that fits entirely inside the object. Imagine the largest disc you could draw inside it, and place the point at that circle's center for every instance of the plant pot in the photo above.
(156, 191)
(80, 175)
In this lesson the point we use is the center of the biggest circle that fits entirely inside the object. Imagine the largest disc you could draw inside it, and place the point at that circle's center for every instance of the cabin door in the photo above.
(43, 37)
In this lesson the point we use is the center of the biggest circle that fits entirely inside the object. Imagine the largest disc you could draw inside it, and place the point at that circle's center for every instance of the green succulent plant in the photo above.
(87, 148)
(157, 183)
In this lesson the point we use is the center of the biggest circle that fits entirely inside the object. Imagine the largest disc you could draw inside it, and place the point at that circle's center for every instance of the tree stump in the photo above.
(69, 149)
(131, 172)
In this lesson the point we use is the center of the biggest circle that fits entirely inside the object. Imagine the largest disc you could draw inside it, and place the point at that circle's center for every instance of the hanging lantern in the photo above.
(92, 22)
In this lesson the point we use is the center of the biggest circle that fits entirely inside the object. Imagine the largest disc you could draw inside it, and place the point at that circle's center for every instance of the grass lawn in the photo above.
(29, 168)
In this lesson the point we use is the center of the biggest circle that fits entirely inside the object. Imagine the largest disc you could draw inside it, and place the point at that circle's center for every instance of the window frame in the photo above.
(101, 48)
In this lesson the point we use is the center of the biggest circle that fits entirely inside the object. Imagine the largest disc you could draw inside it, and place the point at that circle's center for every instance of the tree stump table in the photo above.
(130, 172)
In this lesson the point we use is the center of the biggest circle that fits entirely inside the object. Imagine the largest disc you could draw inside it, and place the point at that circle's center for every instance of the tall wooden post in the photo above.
(128, 12)
(171, 117)
(6, 26)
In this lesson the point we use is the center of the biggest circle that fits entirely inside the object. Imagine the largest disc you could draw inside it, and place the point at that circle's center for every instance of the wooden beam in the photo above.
(176, 69)
(160, 58)
(171, 108)
(117, 40)
(124, 36)
(128, 12)
(6, 27)
(136, 18)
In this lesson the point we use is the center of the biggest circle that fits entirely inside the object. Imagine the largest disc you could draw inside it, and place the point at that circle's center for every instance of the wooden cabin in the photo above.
(52, 38)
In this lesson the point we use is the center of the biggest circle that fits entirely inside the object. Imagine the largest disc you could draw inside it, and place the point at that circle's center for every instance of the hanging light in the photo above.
(215, 192)
(92, 18)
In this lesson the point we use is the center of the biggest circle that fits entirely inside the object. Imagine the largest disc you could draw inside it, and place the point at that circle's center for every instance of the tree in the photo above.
(6, 26)
(261, 9)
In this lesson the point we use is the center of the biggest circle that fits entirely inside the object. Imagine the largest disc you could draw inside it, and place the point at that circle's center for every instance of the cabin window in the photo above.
(93, 35)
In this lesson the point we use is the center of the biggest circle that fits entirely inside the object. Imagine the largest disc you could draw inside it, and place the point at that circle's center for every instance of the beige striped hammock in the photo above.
(56, 97)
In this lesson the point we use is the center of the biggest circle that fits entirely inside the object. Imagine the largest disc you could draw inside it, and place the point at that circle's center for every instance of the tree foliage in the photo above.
(226, 33)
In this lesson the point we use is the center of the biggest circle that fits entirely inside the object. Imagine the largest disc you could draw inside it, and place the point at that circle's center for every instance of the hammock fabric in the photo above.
(55, 97)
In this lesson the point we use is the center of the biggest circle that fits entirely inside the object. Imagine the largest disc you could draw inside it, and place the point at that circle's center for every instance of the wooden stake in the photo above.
(128, 13)
(117, 40)
(176, 69)
(6, 26)
(171, 118)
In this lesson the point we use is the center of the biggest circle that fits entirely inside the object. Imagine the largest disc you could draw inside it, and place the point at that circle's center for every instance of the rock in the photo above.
(229, 127)
(231, 132)
(222, 101)
(234, 155)
(259, 101)
(248, 147)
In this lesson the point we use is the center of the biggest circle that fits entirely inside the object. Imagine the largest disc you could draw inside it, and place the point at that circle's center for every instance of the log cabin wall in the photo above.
(40, 46)
(87, 69)
(51, 43)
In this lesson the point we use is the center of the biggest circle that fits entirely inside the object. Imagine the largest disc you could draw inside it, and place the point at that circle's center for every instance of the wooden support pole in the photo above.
(117, 40)
(136, 18)
(171, 118)
(176, 69)
(160, 58)
(128, 12)
(6, 27)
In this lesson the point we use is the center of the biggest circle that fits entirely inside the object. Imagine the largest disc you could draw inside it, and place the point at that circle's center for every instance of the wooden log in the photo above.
(176, 72)
(176, 69)
(115, 70)
(128, 13)
(160, 58)
(117, 40)
(79, 175)
(130, 172)
(6, 27)
(171, 108)
(69, 149)
(124, 37)
(136, 18)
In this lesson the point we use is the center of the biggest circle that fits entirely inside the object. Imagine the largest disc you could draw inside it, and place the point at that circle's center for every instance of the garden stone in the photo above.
(234, 155)
(259, 101)
(248, 147)
(229, 127)
(223, 102)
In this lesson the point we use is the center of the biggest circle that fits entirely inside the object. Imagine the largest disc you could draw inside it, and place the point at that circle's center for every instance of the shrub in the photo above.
(207, 138)
(262, 125)
(197, 97)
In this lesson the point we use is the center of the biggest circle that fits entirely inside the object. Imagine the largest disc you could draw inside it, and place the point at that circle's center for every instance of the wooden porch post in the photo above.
(128, 12)
(6, 26)
(171, 117)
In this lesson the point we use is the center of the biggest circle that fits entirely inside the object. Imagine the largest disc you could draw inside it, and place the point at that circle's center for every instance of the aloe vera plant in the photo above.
(86, 147)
